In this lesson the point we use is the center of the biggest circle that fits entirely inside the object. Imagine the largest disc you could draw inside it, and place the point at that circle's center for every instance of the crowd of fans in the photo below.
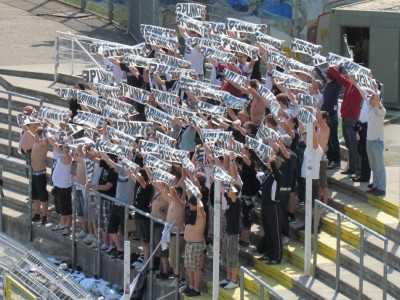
(277, 179)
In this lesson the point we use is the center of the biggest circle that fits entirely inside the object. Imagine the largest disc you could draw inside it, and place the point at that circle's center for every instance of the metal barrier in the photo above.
(9, 100)
(363, 229)
(128, 208)
(263, 286)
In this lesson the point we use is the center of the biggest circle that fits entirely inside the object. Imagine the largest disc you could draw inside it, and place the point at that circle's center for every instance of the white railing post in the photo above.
(217, 225)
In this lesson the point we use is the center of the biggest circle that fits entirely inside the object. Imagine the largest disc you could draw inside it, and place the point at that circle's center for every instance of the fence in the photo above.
(263, 286)
(363, 229)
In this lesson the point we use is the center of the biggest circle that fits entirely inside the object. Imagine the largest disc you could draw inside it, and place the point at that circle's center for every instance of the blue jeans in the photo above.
(375, 157)
(350, 138)
(333, 152)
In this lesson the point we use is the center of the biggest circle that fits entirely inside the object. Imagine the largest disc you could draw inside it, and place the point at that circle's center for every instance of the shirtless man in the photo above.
(195, 221)
(258, 104)
(323, 139)
(176, 212)
(26, 142)
(39, 174)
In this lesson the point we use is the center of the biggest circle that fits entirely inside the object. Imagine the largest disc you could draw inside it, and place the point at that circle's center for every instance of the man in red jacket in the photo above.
(350, 112)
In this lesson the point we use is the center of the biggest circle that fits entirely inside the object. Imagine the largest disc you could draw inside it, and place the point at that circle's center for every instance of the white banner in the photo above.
(160, 68)
(277, 59)
(95, 76)
(92, 134)
(234, 45)
(304, 116)
(366, 83)
(218, 151)
(193, 10)
(138, 61)
(266, 133)
(269, 40)
(134, 128)
(107, 147)
(122, 106)
(307, 100)
(208, 108)
(318, 60)
(201, 84)
(196, 41)
(305, 47)
(274, 107)
(145, 146)
(216, 27)
(58, 134)
(191, 24)
(216, 54)
(81, 141)
(87, 118)
(108, 90)
(52, 113)
(234, 77)
(147, 29)
(138, 95)
(165, 97)
(91, 101)
(266, 93)
(71, 129)
(154, 162)
(162, 41)
(113, 133)
(165, 139)
(261, 148)
(234, 102)
(161, 176)
(67, 92)
(116, 52)
(178, 112)
(130, 165)
(236, 147)
(25, 120)
(354, 68)
(220, 174)
(188, 165)
(196, 121)
(296, 84)
(336, 60)
(89, 166)
(242, 26)
(155, 115)
(215, 135)
(280, 77)
(296, 66)
(172, 155)
(191, 187)
(110, 113)
(172, 61)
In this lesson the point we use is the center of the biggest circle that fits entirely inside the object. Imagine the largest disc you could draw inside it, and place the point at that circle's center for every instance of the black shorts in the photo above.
(39, 187)
(117, 218)
(63, 200)
(143, 229)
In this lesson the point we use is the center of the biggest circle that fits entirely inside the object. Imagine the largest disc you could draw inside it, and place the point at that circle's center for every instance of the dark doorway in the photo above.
(358, 40)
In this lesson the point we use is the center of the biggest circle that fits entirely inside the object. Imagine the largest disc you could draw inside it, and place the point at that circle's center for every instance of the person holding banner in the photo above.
(27, 140)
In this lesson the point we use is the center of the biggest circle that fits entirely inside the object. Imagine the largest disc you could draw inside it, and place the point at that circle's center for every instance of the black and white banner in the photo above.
(87, 118)
(234, 102)
(172, 155)
(178, 112)
(165, 69)
(147, 29)
(216, 28)
(215, 135)
(220, 174)
(201, 84)
(280, 77)
(162, 176)
(89, 166)
(148, 147)
(134, 128)
(113, 133)
(119, 51)
(107, 147)
(216, 54)
(165, 97)
(59, 135)
(196, 41)
(92, 134)
(192, 10)
(71, 129)
(95, 76)
(318, 60)
(274, 107)
(277, 59)
(155, 115)
(154, 162)
(161, 41)
(97, 47)
(366, 83)
(307, 100)
(25, 120)
(91, 101)
(52, 113)
(138, 95)
(122, 106)
(191, 24)
(130, 165)
(165, 139)
(236, 147)
(242, 26)
(266, 93)
(296, 66)
(81, 141)
(234, 45)
(261, 148)
(304, 116)
(188, 165)
(108, 90)
(201, 92)
(218, 151)
(196, 121)
(305, 47)
(336, 60)
(192, 188)
(138, 61)
(208, 108)
(296, 84)
(67, 92)
(269, 40)
(234, 77)
(266, 133)
(172, 61)
(354, 68)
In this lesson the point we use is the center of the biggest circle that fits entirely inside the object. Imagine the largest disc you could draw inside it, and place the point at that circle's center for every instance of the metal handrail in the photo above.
(263, 285)
(127, 207)
(9, 100)
(339, 217)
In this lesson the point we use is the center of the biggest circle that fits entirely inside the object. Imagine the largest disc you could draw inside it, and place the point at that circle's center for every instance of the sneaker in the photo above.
(285, 240)
(66, 231)
(224, 282)
(139, 265)
(88, 239)
(138, 261)
(121, 256)
(111, 250)
(186, 289)
(58, 228)
(193, 293)
(116, 254)
(379, 193)
(231, 285)
(163, 276)
(44, 220)
(95, 244)
(81, 235)
(333, 165)
(104, 247)
(36, 218)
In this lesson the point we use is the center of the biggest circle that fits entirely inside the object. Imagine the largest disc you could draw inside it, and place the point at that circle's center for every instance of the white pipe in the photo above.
(217, 219)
